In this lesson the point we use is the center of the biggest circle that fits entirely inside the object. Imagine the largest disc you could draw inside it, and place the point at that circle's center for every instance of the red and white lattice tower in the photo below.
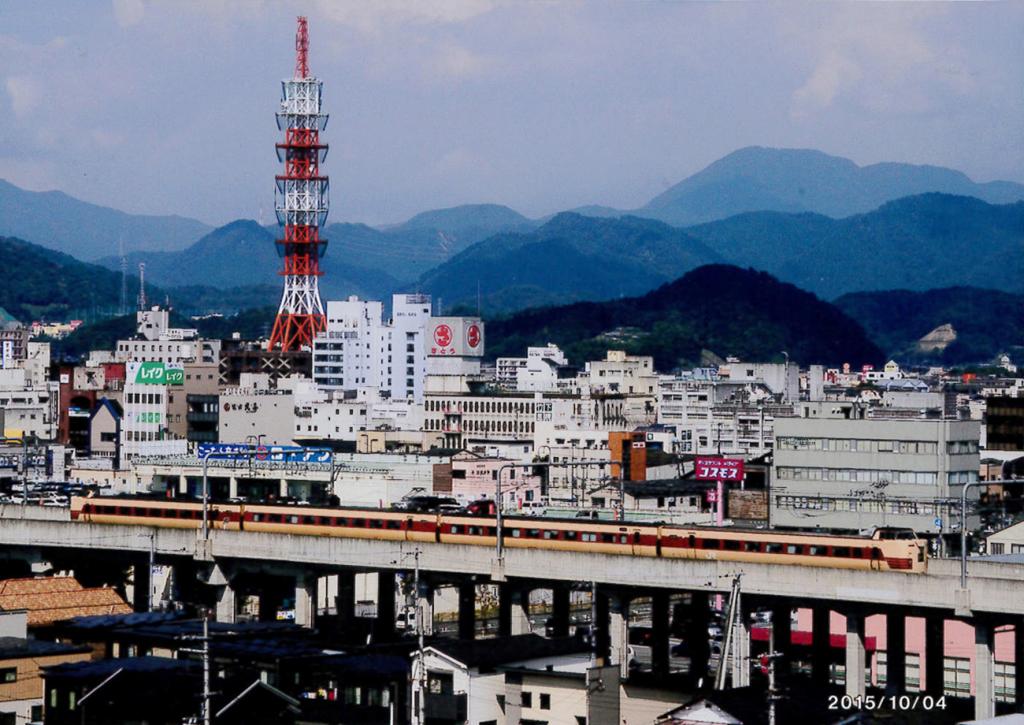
(301, 202)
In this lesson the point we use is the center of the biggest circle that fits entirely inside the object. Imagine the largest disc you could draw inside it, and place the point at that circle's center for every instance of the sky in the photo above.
(168, 107)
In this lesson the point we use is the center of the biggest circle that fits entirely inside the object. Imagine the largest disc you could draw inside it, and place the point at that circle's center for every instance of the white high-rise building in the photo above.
(407, 358)
(359, 351)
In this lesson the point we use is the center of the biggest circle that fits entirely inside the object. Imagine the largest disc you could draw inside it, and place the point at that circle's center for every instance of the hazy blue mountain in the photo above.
(569, 258)
(596, 210)
(917, 243)
(407, 250)
(474, 219)
(718, 308)
(243, 254)
(87, 231)
(803, 180)
(987, 322)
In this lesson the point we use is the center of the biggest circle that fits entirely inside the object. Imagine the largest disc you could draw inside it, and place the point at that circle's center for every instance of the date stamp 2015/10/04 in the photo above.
(886, 702)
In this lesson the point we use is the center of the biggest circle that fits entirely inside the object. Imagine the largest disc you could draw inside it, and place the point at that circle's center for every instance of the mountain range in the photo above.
(712, 308)
(87, 231)
(918, 242)
(805, 180)
(753, 179)
(242, 256)
(569, 258)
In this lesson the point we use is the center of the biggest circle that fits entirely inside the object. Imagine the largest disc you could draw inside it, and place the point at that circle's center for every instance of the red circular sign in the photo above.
(443, 335)
(473, 335)
(261, 453)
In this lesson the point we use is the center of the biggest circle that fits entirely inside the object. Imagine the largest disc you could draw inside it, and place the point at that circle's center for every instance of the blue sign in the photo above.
(277, 454)
(938, 523)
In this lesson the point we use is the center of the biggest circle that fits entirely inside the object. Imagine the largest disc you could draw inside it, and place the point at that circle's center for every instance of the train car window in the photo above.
(816, 550)
(752, 546)
(515, 533)
(731, 545)
(310, 520)
(550, 534)
(709, 543)
(623, 539)
(570, 536)
(293, 519)
(454, 528)
(608, 538)
(843, 551)
(533, 533)
(257, 517)
(793, 548)
(773, 547)
(377, 523)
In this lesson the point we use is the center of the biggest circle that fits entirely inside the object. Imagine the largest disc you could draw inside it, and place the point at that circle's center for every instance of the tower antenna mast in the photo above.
(301, 202)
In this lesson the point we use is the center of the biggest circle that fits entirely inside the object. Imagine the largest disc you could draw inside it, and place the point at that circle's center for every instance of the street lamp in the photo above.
(499, 546)
(963, 525)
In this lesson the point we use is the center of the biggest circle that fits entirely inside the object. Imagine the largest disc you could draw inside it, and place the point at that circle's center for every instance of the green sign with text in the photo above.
(157, 373)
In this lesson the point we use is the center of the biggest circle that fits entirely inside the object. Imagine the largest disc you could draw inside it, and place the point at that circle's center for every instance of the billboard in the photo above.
(155, 373)
(455, 337)
(717, 469)
(277, 454)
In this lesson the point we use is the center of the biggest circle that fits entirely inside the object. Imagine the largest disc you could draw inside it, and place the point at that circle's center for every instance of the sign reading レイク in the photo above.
(157, 373)
(718, 469)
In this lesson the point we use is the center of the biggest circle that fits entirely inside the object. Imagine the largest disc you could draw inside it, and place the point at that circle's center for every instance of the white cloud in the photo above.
(831, 75)
(456, 61)
(128, 12)
(24, 94)
(460, 162)
(372, 16)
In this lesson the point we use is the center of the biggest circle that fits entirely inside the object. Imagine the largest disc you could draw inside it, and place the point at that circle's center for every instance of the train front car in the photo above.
(901, 549)
(795, 549)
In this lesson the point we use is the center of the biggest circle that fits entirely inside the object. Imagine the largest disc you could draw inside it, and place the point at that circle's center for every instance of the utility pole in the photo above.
(206, 668)
(730, 622)
(773, 693)
(422, 674)
(24, 470)
(152, 566)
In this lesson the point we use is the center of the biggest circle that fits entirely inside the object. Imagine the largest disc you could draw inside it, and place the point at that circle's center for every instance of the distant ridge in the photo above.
(917, 243)
(88, 231)
(804, 180)
(571, 257)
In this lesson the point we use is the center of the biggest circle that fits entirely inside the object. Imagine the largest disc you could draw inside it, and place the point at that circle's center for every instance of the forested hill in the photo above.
(718, 309)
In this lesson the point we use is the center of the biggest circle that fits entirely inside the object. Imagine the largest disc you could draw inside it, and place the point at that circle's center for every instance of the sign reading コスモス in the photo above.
(718, 469)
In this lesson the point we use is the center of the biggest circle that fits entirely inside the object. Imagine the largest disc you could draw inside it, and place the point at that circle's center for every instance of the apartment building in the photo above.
(540, 370)
(157, 341)
(732, 415)
(836, 467)
(145, 430)
(28, 409)
(360, 351)
(262, 410)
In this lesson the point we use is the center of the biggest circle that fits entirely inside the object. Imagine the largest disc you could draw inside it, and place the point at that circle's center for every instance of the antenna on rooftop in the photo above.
(124, 277)
(142, 285)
